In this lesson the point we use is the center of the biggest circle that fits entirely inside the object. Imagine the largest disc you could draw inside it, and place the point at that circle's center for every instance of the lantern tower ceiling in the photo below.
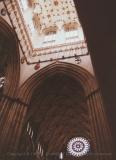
(47, 20)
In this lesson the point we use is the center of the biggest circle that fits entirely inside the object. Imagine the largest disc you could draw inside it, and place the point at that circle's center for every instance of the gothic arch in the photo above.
(84, 77)
(100, 132)
(10, 68)
(12, 62)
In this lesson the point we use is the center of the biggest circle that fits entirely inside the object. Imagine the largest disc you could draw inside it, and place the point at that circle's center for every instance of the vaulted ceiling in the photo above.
(58, 112)
(47, 20)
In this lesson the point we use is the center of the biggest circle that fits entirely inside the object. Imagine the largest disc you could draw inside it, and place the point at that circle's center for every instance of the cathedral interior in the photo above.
(57, 80)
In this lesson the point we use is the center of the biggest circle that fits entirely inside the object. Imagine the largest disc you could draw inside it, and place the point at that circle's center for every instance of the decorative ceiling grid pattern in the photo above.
(45, 18)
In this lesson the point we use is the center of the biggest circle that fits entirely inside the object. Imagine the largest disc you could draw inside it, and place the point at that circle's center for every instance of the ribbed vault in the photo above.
(59, 112)
(64, 101)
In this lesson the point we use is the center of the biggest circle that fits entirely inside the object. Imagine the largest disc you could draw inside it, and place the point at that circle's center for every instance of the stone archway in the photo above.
(10, 57)
(10, 69)
(99, 132)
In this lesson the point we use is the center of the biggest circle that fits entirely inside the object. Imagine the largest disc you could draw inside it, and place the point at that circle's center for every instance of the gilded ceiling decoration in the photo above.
(53, 17)
(54, 13)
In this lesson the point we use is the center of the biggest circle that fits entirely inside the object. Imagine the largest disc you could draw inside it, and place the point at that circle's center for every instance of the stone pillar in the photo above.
(11, 124)
(100, 132)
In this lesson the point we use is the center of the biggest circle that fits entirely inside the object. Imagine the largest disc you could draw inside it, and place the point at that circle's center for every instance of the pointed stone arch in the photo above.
(83, 76)
(12, 71)
(100, 132)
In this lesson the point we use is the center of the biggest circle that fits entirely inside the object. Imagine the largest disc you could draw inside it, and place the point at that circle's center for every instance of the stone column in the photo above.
(11, 124)
(100, 132)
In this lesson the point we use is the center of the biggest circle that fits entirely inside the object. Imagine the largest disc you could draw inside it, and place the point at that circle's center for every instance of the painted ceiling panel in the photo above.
(48, 18)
